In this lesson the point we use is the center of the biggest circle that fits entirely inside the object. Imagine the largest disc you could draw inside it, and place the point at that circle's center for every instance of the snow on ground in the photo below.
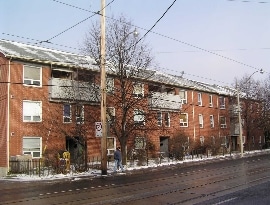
(129, 168)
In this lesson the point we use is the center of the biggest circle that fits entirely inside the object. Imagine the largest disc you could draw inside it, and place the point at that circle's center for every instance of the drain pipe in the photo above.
(8, 106)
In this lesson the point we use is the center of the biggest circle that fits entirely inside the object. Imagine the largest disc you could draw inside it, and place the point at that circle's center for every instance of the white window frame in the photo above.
(67, 116)
(167, 120)
(110, 114)
(210, 100)
(139, 117)
(200, 99)
(201, 120)
(30, 81)
(111, 146)
(159, 118)
(182, 122)
(80, 118)
(110, 85)
(183, 96)
(222, 102)
(32, 110)
(138, 90)
(224, 125)
(33, 146)
(140, 143)
(212, 121)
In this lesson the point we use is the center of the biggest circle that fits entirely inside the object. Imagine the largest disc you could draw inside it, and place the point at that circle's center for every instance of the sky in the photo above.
(212, 41)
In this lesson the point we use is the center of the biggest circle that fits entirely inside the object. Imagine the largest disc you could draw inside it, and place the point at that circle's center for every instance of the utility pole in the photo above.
(240, 122)
(103, 91)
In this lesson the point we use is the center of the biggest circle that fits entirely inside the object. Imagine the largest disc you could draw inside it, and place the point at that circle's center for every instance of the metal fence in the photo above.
(44, 167)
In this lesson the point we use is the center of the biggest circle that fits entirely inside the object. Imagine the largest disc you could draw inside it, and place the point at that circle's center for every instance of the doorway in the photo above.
(164, 146)
(234, 143)
(75, 148)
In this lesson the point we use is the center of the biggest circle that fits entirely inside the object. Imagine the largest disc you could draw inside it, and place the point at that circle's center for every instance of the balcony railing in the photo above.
(65, 89)
(158, 100)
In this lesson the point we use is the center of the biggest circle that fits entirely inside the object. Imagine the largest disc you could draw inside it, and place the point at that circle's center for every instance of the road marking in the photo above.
(227, 200)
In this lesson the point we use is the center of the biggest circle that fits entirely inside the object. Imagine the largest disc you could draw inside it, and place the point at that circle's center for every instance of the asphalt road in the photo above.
(228, 181)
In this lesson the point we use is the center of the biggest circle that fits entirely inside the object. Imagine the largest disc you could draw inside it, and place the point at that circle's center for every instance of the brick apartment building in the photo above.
(50, 99)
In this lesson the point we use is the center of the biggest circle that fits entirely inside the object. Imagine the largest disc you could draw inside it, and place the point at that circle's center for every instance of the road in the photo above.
(229, 181)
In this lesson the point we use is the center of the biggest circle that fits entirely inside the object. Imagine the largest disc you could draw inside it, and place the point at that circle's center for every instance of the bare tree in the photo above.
(265, 122)
(127, 60)
(251, 94)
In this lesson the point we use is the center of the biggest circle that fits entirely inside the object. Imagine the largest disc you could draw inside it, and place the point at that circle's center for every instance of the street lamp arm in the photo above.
(261, 71)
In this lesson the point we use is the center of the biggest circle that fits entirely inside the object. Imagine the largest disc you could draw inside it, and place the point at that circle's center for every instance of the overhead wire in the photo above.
(148, 31)
(95, 13)
(155, 67)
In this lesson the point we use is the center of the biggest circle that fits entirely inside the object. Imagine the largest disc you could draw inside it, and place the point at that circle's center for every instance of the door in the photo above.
(164, 146)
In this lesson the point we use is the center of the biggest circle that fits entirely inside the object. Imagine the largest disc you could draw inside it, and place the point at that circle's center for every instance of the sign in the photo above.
(98, 127)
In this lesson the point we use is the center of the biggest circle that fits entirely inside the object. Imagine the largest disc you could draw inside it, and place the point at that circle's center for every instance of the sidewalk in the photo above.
(131, 168)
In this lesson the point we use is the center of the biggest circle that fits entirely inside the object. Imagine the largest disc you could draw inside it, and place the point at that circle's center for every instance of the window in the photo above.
(199, 99)
(85, 76)
(167, 119)
(32, 111)
(110, 85)
(139, 117)
(210, 100)
(183, 120)
(223, 122)
(33, 146)
(159, 118)
(260, 139)
(222, 102)
(79, 114)
(66, 113)
(201, 120)
(32, 75)
(61, 73)
(202, 140)
(224, 141)
(140, 143)
(212, 121)
(110, 114)
(183, 96)
(138, 90)
(111, 145)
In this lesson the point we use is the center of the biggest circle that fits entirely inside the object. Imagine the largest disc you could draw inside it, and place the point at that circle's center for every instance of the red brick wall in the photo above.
(3, 111)
(52, 129)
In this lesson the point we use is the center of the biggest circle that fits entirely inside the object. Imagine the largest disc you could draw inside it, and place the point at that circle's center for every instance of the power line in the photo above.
(246, 1)
(182, 42)
(156, 22)
(148, 30)
(95, 13)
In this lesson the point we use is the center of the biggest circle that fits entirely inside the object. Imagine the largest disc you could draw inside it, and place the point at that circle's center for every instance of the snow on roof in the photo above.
(36, 53)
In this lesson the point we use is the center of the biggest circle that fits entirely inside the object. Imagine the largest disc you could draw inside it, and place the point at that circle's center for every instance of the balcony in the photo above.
(71, 90)
(159, 100)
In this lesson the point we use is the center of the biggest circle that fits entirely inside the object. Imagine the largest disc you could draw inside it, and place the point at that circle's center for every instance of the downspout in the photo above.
(8, 106)
(193, 115)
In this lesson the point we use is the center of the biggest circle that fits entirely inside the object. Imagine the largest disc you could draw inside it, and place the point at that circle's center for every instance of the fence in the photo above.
(30, 167)
(44, 167)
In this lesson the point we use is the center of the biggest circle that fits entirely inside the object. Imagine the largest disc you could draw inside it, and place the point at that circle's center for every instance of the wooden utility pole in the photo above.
(103, 91)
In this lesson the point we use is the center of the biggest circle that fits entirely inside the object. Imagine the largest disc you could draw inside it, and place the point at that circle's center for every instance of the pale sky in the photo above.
(212, 41)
